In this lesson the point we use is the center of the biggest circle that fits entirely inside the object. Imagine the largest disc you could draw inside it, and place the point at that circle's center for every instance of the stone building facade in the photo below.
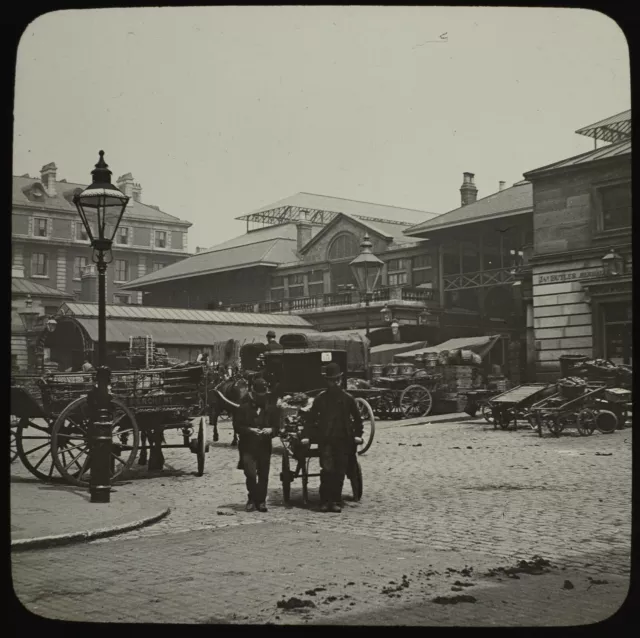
(50, 247)
(582, 210)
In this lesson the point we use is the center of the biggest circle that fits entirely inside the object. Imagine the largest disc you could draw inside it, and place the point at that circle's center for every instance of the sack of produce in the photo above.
(572, 387)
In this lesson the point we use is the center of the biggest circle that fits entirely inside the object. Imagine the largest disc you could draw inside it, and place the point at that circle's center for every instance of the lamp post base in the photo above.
(101, 494)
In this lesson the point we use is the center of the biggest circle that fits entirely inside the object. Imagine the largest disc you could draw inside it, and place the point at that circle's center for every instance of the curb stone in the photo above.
(43, 542)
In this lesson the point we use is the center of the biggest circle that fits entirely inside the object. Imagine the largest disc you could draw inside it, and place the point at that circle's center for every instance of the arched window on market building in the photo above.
(342, 250)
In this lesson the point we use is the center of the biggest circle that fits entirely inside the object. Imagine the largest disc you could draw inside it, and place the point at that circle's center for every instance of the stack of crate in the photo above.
(141, 352)
(456, 380)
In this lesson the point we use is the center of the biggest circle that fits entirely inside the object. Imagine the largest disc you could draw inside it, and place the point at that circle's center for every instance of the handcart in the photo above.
(586, 408)
(479, 400)
(507, 407)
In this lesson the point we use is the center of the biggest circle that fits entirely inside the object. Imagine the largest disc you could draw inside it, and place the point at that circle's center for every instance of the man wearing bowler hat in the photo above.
(256, 423)
(337, 424)
(272, 344)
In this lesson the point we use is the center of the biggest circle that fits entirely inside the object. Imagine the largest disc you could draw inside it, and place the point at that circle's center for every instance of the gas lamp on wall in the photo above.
(423, 317)
(613, 263)
(29, 316)
(366, 269)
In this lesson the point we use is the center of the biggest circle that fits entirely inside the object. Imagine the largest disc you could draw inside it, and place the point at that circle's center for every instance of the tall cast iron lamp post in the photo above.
(101, 206)
(366, 269)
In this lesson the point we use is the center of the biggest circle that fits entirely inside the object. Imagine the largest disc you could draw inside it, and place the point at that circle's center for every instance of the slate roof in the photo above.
(605, 152)
(135, 210)
(258, 251)
(21, 286)
(511, 201)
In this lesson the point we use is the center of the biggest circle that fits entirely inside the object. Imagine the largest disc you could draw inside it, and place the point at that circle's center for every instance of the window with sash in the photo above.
(160, 239)
(122, 270)
(397, 279)
(343, 246)
(122, 236)
(421, 270)
(78, 264)
(81, 232)
(39, 265)
(397, 272)
(157, 266)
(296, 285)
(614, 204)
(40, 227)
(277, 288)
(316, 283)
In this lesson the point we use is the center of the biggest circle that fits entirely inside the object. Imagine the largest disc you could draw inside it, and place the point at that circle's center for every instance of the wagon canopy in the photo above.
(479, 345)
(354, 343)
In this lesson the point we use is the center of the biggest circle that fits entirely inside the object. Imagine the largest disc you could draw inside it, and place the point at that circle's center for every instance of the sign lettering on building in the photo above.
(571, 275)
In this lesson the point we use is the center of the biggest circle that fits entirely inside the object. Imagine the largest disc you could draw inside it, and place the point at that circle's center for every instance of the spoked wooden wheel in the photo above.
(201, 452)
(415, 401)
(70, 441)
(13, 446)
(285, 477)
(33, 444)
(554, 424)
(368, 423)
(355, 477)
(586, 422)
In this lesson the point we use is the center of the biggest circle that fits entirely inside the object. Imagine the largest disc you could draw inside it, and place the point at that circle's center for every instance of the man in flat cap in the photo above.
(337, 425)
(256, 423)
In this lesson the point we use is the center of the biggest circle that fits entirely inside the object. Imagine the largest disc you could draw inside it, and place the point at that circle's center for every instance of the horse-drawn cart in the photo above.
(54, 421)
(299, 376)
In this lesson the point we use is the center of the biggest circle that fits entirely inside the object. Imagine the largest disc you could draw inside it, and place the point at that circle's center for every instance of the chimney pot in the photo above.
(501, 185)
(48, 177)
(137, 192)
(126, 184)
(468, 190)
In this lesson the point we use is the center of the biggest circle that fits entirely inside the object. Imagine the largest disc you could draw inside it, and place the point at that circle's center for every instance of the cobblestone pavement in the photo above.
(436, 496)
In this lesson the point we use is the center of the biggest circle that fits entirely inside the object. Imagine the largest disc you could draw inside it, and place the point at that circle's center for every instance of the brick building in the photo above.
(582, 210)
(50, 247)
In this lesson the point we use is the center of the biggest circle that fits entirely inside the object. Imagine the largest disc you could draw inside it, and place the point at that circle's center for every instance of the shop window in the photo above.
(397, 279)
(618, 340)
(343, 247)
(614, 206)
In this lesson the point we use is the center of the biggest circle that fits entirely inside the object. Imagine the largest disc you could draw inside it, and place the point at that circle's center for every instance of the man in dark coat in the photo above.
(272, 344)
(256, 423)
(336, 426)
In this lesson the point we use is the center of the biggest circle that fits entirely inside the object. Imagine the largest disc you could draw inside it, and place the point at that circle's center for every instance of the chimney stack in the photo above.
(48, 178)
(304, 234)
(126, 185)
(468, 190)
(501, 185)
(137, 192)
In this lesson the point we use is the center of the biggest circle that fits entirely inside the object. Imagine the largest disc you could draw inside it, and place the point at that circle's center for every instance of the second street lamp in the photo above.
(366, 269)
(101, 207)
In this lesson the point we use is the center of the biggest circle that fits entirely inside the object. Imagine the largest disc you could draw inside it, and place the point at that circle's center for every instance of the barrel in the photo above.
(406, 369)
(606, 422)
(430, 359)
(391, 370)
(376, 370)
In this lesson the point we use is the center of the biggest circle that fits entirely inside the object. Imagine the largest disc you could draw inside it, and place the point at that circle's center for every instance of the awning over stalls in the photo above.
(479, 345)
(385, 352)
(177, 334)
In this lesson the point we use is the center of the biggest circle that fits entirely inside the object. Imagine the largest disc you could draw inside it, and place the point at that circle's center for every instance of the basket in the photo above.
(617, 395)
(569, 362)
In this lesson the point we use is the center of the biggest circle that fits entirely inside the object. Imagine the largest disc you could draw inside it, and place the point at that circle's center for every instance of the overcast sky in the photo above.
(217, 111)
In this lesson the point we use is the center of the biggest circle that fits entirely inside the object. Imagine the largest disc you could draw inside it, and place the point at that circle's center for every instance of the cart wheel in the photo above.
(415, 401)
(369, 425)
(305, 481)
(586, 422)
(13, 446)
(606, 422)
(71, 435)
(202, 446)
(356, 480)
(285, 477)
(487, 413)
(33, 445)
(555, 425)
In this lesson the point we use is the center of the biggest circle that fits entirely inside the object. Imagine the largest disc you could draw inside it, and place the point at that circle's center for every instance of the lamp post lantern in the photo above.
(423, 317)
(366, 269)
(101, 207)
